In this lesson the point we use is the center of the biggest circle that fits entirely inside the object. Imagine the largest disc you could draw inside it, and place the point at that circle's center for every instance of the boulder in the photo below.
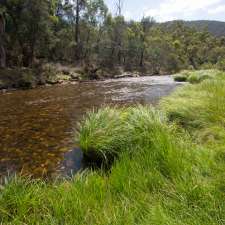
(75, 76)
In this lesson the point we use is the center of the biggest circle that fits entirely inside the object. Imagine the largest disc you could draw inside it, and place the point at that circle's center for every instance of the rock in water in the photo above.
(73, 162)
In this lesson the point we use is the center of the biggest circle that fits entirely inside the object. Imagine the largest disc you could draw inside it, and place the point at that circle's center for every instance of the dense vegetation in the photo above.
(85, 34)
(169, 167)
(214, 27)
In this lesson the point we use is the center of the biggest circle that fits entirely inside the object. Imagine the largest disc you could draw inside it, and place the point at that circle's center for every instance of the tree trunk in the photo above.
(86, 54)
(77, 31)
(142, 58)
(2, 49)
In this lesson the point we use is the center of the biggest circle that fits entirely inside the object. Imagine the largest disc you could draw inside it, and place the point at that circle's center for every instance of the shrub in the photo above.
(207, 66)
(28, 79)
(221, 64)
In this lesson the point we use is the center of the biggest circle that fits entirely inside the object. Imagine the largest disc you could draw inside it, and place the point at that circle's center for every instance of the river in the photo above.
(37, 126)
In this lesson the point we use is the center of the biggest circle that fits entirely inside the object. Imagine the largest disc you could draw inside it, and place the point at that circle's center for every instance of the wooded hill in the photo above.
(216, 28)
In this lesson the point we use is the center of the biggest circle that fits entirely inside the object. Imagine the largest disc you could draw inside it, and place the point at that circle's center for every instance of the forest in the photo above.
(85, 34)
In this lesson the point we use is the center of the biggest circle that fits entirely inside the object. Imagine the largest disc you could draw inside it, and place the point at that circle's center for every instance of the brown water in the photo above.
(37, 126)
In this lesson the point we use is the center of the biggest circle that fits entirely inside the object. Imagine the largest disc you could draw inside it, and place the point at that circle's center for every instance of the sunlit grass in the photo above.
(199, 108)
(111, 131)
(196, 76)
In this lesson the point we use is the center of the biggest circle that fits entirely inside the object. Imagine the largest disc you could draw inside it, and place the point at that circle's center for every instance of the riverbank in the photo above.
(168, 168)
(58, 74)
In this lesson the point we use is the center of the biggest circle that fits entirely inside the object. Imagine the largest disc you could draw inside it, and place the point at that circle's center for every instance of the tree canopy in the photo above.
(84, 31)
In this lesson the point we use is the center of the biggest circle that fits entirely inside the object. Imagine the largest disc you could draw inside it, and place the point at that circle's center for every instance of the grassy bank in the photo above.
(169, 167)
(196, 76)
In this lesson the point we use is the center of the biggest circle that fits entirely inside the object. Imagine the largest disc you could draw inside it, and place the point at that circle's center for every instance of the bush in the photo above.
(27, 80)
(207, 66)
(18, 78)
(221, 64)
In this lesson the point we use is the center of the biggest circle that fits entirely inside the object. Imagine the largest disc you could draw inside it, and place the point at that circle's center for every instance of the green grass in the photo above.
(169, 169)
(111, 131)
(196, 76)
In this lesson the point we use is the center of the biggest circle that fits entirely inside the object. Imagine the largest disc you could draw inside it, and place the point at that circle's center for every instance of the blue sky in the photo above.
(165, 10)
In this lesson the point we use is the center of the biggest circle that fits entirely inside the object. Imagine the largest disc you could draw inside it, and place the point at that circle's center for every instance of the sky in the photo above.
(166, 10)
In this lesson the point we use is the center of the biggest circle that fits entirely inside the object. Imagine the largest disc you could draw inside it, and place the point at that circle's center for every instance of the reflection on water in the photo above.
(37, 126)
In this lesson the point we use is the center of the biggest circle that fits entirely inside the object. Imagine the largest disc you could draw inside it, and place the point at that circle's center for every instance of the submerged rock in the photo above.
(73, 162)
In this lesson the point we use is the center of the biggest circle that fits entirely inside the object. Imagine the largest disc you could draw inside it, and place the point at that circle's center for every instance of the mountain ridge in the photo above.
(214, 27)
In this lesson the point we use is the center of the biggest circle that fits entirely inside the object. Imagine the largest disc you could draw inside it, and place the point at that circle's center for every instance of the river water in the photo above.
(37, 126)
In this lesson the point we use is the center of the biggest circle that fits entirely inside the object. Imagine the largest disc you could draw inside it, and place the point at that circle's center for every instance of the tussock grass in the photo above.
(199, 108)
(103, 133)
(169, 169)
(196, 76)
(111, 131)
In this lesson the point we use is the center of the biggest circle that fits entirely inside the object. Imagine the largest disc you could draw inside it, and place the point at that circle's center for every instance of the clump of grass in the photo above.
(103, 133)
(198, 77)
(195, 76)
(139, 131)
(110, 131)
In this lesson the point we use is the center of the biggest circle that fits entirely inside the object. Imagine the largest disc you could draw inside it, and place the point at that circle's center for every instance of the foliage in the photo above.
(84, 32)
(221, 64)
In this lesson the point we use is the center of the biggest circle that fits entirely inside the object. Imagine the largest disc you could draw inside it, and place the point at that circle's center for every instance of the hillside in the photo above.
(216, 28)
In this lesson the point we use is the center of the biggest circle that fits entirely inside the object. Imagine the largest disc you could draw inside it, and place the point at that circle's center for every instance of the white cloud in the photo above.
(218, 9)
(127, 15)
(177, 9)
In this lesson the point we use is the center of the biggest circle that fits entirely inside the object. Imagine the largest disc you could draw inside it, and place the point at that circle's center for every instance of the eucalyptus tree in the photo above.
(2, 34)
(146, 24)
(93, 28)
(27, 25)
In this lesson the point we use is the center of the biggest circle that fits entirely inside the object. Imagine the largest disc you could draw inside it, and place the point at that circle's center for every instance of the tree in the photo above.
(84, 32)
(146, 24)
(93, 22)
(2, 33)
(29, 21)
(119, 7)
(79, 5)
